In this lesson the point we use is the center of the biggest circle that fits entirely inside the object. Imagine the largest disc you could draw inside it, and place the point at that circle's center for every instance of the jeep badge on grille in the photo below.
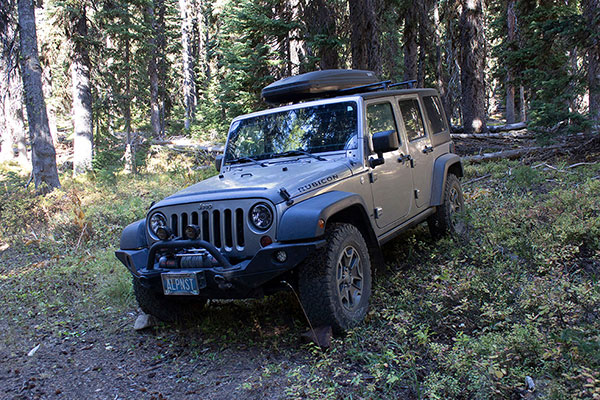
(204, 206)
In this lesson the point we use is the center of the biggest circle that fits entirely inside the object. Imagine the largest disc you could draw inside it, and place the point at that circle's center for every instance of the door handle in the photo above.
(404, 158)
(427, 149)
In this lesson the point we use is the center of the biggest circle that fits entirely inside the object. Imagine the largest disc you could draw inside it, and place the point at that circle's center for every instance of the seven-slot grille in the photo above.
(223, 228)
(223, 223)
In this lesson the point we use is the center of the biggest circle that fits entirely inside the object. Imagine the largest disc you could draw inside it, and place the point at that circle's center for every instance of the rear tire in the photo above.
(445, 221)
(166, 308)
(335, 282)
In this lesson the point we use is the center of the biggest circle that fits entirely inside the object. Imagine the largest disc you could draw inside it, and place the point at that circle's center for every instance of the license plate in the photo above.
(175, 283)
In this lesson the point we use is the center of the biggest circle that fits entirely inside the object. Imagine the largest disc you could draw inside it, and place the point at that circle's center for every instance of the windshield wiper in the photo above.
(246, 159)
(298, 152)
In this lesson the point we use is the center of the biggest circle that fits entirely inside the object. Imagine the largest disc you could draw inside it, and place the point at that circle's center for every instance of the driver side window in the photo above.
(380, 117)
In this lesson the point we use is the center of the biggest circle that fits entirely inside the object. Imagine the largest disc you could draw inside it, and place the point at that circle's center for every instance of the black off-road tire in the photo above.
(444, 220)
(327, 298)
(167, 308)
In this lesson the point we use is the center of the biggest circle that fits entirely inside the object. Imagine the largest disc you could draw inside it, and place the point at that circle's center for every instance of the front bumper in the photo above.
(224, 281)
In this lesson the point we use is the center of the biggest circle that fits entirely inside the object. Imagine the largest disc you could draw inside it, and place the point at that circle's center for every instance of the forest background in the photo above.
(117, 73)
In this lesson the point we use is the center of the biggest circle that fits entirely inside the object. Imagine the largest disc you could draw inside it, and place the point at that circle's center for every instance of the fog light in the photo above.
(265, 241)
(192, 232)
(281, 256)
(163, 233)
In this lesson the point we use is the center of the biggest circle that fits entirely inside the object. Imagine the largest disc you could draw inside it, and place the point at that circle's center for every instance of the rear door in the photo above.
(419, 148)
(391, 182)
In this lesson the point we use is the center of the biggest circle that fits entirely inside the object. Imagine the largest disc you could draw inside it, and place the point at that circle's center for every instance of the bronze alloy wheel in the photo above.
(349, 278)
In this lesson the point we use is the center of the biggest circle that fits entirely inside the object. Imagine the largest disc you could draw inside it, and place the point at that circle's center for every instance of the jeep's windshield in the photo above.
(313, 129)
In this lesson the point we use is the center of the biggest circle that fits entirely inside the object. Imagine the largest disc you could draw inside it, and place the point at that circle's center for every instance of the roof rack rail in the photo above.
(372, 86)
(410, 83)
(383, 85)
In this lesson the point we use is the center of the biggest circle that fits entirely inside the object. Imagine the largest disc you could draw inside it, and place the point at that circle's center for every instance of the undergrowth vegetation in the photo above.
(516, 296)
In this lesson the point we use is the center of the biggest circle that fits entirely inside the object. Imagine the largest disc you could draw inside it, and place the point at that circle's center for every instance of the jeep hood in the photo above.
(248, 181)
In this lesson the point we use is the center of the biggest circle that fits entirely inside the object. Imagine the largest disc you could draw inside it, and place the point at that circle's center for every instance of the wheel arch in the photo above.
(301, 221)
(445, 164)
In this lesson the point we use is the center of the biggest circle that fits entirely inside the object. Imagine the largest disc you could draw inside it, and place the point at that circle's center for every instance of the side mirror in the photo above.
(219, 162)
(383, 142)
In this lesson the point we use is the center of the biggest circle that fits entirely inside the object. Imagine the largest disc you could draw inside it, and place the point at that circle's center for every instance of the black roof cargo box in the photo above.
(316, 84)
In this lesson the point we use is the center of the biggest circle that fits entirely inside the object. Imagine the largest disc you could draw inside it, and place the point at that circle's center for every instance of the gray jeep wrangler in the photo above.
(306, 194)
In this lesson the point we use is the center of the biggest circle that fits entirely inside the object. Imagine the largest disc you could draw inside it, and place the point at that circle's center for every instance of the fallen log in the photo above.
(518, 134)
(510, 154)
(493, 128)
(507, 127)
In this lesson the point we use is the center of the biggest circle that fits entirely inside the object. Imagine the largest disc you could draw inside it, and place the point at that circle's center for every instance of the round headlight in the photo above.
(261, 216)
(157, 220)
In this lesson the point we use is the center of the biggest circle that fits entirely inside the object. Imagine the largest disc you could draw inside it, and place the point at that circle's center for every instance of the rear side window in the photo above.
(380, 117)
(433, 107)
(413, 121)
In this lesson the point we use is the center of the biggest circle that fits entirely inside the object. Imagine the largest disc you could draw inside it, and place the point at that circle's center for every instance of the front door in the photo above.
(391, 182)
(419, 148)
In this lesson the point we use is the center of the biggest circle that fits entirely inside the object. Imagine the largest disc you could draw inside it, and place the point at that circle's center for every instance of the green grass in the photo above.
(470, 317)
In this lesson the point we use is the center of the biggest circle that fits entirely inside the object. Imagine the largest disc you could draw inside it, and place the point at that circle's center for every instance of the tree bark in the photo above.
(189, 84)
(523, 102)
(45, 174)
(472, 60)
(410, 42)
(82, 94)
(154, 55)
(322, 26)
(591, 10)
(511, 24)
(425, 34)
(364, 38)
(130, 166)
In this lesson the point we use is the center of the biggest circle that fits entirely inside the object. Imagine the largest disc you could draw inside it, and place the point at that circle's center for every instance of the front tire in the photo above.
(335, 282)
(445, 220)
(166, 308)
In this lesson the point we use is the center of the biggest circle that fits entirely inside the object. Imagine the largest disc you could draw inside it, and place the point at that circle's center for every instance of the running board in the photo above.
(417, 219)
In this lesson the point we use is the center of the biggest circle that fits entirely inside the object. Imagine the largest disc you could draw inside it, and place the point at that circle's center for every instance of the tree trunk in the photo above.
(364, 38)
(189, 85)
(130, 166)
(297, 44)
(424, 40)
(472, 60)
(523, 101)
(45, 174)
(321, 24)
(591, 10)
(441, 77)
(14, 138)
(82, 94)
(410, 42)
(153, 55)
(511, 22)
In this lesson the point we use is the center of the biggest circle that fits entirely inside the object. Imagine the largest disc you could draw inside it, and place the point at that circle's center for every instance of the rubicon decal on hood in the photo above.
(318, 183)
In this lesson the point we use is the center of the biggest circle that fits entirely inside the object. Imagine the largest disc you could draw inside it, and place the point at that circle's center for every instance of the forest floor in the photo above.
(467, 317)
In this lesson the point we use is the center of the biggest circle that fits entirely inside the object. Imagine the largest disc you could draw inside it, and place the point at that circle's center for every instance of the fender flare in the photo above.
(134, 236)
(301, 221)
(440, 172)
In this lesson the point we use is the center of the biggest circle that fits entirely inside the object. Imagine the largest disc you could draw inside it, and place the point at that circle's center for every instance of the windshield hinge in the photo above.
(286, 196)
